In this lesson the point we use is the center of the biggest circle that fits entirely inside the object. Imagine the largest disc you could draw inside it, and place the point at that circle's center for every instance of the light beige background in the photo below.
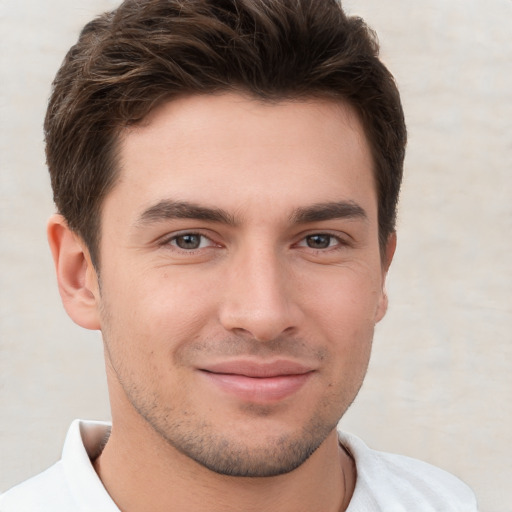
(440, 382)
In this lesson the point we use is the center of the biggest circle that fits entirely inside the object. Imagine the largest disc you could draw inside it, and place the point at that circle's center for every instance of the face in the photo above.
(241, 278)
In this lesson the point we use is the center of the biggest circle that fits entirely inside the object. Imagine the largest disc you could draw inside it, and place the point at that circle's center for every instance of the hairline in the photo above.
(119, 132)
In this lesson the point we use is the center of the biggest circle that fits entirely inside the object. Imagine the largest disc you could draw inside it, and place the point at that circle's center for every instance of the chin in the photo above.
(252, 453)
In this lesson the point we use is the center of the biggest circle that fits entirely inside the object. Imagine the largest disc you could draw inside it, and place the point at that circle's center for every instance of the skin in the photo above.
(241, 233)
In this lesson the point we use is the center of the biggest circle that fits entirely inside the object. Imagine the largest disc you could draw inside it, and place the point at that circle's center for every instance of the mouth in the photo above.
(261, 382)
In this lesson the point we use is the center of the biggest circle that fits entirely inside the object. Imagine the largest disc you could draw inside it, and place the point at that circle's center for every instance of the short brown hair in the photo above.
(146, 51)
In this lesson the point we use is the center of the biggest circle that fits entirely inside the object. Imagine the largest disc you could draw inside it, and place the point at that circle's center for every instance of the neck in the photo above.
(142, 472)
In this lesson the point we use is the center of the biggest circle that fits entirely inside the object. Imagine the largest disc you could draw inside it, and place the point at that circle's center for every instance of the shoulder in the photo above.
(70, 484)
(44, 492)
(386, 481)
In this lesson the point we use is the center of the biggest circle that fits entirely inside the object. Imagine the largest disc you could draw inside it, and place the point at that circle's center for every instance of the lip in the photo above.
(258, 381)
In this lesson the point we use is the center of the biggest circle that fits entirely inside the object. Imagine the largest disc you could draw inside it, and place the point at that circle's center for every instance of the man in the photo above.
(226, 175)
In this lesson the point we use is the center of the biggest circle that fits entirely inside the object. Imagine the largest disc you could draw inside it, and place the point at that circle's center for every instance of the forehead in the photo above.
(232, 151)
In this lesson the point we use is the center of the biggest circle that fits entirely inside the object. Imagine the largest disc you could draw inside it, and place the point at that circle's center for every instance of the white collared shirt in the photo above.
(385, 482)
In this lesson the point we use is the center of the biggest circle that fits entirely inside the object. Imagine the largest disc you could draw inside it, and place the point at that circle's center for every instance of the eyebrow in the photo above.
(169, 209)
(328, 211)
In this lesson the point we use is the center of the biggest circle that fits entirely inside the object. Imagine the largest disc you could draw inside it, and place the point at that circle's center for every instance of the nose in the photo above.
(259, 296)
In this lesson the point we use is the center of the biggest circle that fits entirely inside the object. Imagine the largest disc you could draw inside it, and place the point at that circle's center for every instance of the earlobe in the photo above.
(386, 262)
(76, 276)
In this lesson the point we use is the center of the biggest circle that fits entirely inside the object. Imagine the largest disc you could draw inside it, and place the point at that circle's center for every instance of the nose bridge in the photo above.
(257, 297)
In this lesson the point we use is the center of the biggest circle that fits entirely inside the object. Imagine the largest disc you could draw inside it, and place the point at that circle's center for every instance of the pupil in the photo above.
(319, 241)
(188, 241)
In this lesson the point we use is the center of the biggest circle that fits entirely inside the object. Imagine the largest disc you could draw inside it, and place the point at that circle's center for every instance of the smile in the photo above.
(260, 383)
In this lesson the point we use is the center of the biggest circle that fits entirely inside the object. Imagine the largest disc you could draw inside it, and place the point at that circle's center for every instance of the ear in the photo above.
(386, 262)
(76, 276)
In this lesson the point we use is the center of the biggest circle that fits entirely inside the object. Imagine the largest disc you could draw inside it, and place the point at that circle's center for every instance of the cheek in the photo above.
(346, 299)
(344, 315)
(154, 311)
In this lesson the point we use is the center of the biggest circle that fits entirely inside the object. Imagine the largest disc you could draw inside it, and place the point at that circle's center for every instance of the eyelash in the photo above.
(172, 241)
(340, 242)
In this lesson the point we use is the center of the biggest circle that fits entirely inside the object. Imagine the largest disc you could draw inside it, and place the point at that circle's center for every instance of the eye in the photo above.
(190, 241)
(320, 241)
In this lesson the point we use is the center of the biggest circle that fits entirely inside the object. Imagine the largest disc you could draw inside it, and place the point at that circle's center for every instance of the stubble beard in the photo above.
(227, 452)
(223, 450)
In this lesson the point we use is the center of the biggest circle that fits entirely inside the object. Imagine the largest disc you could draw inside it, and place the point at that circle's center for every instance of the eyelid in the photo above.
(167, 239)
(344, 239)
